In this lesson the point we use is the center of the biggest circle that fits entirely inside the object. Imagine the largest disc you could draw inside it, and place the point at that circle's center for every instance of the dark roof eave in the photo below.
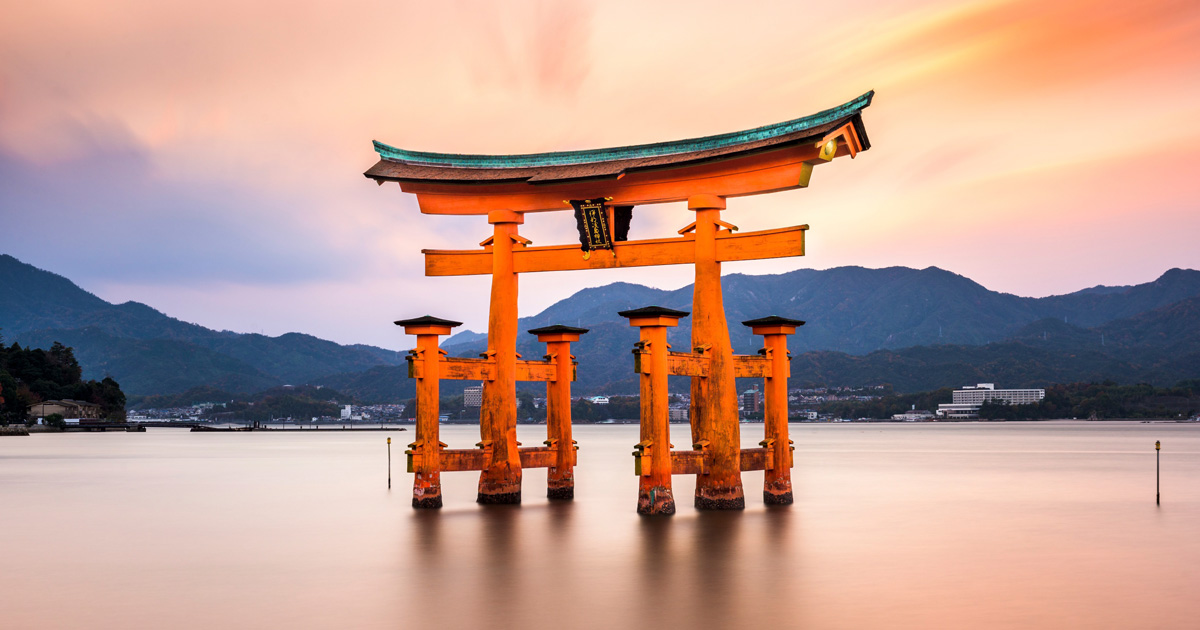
(393, 170)
(569, 166)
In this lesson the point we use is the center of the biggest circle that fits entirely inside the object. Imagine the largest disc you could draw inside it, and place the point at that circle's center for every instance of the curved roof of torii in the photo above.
(403, 165)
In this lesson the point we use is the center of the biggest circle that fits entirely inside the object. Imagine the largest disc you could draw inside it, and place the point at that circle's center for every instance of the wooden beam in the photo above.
(757, 459)
(687, 463)
(536, 371)
(751, 174)
(463, 459)
(686, 364)
(751, 366)
(465, 369)
(468, 369)
(538, 456)
(778, 243)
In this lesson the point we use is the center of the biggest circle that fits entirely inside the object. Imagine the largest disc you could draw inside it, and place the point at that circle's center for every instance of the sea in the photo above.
(895, 525)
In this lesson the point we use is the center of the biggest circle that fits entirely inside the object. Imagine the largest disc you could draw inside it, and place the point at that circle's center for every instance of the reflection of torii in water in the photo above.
(702, 171)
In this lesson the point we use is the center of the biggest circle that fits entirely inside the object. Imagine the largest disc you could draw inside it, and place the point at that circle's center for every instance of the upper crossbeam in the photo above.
(778, 243)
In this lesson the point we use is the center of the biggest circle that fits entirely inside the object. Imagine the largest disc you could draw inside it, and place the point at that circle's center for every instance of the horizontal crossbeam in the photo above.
(684, 364)
(757, 459)
(468, 369)
(462, 459)
(751, 366)
(754, 174)
(695, 462)
(779, 243)
(688, 463)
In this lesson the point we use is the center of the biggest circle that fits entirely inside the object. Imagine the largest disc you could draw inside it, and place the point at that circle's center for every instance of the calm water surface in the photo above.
(1014, 525)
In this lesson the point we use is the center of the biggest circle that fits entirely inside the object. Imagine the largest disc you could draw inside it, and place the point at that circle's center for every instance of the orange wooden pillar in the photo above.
(714, 410)
(425, 453)
(560, 479)
(500, 481)
(777, 486)
(653, 457)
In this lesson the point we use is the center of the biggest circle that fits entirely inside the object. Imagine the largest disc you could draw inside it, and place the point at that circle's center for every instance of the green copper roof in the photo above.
(630, 152)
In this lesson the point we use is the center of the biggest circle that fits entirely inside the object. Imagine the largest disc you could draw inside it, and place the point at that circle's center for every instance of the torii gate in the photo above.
(702, 171)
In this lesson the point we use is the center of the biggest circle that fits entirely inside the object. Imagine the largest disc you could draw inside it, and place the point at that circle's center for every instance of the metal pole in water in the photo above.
(1157, 494)
(389, 463)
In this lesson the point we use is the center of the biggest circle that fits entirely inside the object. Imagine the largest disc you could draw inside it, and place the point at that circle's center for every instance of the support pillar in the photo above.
(777, 485)
(425, 365)
(500, 481)
(714, 410)
(653, 457)
(560, 479)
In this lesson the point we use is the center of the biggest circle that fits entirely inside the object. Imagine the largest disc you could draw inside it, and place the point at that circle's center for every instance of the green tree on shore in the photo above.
(33, 375)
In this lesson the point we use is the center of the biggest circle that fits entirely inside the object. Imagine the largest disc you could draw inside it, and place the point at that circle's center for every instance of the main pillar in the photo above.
(714, 399)
(426, 451)
(560, 479)
(500, 481)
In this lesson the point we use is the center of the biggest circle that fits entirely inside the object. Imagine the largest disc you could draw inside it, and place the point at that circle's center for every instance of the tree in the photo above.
(525, 403)
(110, 398)
(31, 375)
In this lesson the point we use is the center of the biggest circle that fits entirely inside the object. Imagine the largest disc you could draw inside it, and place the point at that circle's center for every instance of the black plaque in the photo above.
(592, 222)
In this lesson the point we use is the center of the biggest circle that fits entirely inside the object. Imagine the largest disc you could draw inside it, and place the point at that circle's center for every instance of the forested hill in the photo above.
(1161, 347)
(916, 328)
(858, 311)
(152, 353)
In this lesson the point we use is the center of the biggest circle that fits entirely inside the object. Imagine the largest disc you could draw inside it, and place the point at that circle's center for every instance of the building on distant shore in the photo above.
(967, 401)
(599, 400)
(751, 400)
(65, 408)
(914, 415)
(473, 396)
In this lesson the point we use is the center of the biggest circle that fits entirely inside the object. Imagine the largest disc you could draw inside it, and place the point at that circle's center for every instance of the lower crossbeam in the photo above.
(695, 462)
(456, 460)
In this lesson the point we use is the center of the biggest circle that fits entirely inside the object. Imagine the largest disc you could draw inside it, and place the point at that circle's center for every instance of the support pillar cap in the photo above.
(427, 325)
(653, 316)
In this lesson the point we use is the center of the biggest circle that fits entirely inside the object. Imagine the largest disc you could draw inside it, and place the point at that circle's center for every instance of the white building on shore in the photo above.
(967, 401)
(914, 415)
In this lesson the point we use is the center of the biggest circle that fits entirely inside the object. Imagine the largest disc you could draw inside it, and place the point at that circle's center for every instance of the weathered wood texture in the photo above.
(427, 483)
(653, 455)
(751, 366)
(500, 481)
(777, 485)
(714, 411)
(468, 369)
(560, 479)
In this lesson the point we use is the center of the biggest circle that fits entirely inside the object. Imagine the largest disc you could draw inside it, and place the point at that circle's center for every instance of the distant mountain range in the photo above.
(151, 353)
(916, 329)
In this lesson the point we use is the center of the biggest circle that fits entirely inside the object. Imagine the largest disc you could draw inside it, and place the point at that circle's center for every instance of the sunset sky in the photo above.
(207, 158)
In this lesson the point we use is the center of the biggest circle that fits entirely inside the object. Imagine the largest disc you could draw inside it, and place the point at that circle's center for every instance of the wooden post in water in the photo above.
(560, 479)
(652, 460)
(425, 365)
(1157, 493)
(714, 409)
(500, 481)
(389, 463)
(777, 486)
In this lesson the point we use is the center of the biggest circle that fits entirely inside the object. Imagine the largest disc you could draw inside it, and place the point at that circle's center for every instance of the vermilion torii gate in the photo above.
(702, 171)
